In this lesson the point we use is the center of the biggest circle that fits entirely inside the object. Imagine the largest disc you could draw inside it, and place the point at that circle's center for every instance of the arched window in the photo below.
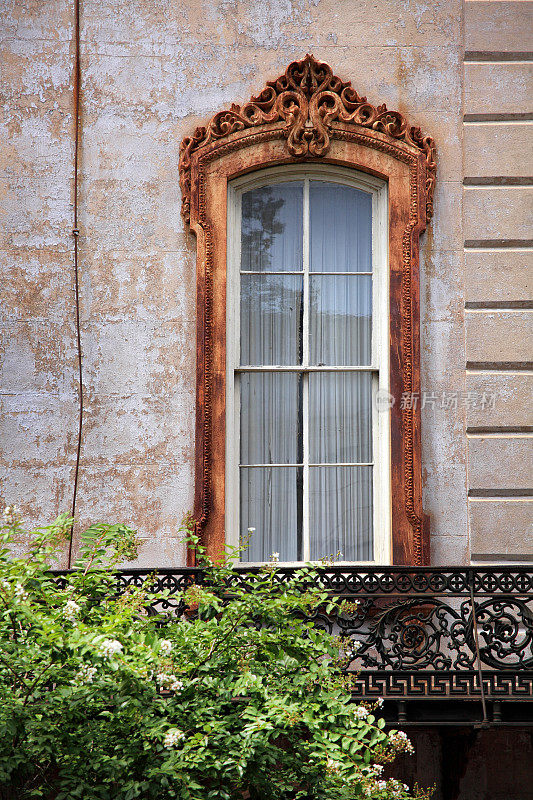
(307, 451)
(307, 204)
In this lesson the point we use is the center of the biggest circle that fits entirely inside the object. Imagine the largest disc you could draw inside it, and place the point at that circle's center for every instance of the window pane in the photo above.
(340, 228)
(340, 413)
(340, 507)
(271, 502)
(272, 228)
(271, 418)
(271, 319)
(340, 323)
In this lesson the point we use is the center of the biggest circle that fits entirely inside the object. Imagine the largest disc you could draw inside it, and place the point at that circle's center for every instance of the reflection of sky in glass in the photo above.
(272, 228)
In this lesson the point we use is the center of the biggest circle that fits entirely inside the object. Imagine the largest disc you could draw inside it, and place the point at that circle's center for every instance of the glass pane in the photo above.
(340, 323)
(271, 319)
(272, 228)
(271, 502)
(271, 418)
(340, 228)
(340, 507)
(340, 413)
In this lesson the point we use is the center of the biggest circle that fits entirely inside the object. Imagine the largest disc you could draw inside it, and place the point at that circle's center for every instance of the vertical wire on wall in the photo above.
(75, 233)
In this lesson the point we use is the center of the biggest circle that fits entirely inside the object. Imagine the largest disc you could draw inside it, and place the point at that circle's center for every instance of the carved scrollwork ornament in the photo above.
(309, 99)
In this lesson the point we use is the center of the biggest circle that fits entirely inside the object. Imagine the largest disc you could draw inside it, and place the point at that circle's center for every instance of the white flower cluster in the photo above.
(274, 558)
(172, 737)
(379, 702)
(85, 674)
(332, 766)
(385, 786)
(374, 770)
(397, 788)
(110, 647)
(169, 682)
(20, 592)
(351, 649)
(11, 514)
(360, 712)
(165, 646)
(400, 742)
(71, 610)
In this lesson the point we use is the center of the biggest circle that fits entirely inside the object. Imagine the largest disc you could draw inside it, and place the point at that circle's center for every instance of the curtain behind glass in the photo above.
(340, 413)
(271, 433)
(340, 320)
(341, 228)
(339, 498)
(341, 512)
(271, 334)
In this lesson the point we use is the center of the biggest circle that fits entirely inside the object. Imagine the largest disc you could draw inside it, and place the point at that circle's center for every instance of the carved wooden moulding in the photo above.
(308, 115)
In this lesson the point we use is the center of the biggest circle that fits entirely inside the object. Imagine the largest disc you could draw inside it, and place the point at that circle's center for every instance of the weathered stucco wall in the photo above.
(151, 71)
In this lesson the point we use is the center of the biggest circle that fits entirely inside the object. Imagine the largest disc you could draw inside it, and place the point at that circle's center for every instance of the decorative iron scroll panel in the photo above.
(415, 626)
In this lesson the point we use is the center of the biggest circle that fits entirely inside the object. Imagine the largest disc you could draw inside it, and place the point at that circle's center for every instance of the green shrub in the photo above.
(237, 698)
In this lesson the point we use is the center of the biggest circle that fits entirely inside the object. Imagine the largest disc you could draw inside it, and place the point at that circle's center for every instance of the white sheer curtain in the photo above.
(334, 511)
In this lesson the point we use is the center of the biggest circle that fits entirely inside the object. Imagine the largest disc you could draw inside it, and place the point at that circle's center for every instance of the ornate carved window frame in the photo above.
(308, 115)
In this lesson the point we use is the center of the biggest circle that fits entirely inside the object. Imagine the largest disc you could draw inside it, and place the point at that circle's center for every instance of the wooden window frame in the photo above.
(309, 116)
(379, 363)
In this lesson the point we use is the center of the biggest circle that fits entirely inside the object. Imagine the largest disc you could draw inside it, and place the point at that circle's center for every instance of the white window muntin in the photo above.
(379, 366)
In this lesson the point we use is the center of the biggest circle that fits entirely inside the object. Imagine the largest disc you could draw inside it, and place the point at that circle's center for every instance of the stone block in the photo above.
(497, 213)
(498, 88)
(501, 527)
(499, 337)
(500, 400)
(37, 285)
(149, 287)
(153, 498)
(501, 275)
(36, 357)
(500, 463)
(139, 430)
(498, 149)
(137, 357)
(498, 27)
(37, 429)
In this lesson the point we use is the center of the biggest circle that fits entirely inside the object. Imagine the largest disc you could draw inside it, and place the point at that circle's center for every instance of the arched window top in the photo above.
(310, 123)
(309, 106)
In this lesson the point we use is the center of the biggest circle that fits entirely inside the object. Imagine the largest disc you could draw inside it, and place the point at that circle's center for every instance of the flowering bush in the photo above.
(236, 698)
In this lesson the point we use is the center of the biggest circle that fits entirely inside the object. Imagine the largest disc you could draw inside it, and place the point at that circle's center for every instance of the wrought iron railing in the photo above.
(422, 633)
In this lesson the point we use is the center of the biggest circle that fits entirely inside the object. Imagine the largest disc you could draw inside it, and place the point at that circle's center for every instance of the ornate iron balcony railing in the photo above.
(423, 633)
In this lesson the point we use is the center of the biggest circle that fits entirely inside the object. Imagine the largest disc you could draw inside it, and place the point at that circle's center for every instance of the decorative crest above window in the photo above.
(309, 99)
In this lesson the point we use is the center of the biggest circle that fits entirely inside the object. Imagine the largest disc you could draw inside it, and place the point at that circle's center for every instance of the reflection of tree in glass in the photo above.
(260, 225)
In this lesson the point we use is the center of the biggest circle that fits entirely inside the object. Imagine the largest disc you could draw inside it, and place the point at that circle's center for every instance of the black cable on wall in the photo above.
(75, 233)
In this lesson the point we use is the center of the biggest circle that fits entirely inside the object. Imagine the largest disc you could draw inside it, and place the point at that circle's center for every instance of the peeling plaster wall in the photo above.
(151, 71)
